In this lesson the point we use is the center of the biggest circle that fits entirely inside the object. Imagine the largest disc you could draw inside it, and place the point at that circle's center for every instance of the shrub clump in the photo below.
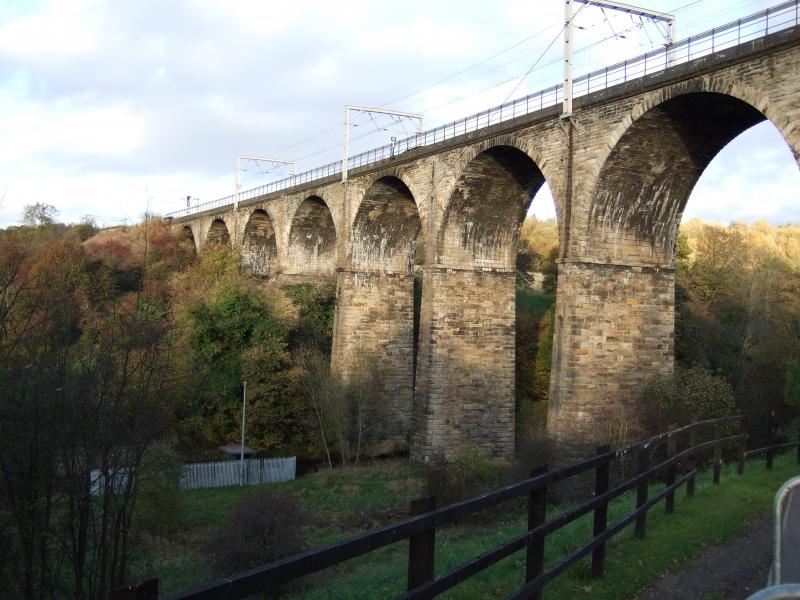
(688, 395)
(262, 528)
(464, 474)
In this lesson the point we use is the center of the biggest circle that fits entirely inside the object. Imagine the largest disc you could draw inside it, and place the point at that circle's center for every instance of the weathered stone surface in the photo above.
(374, 330)
(465, 366)
(616, 331)
(620, 170)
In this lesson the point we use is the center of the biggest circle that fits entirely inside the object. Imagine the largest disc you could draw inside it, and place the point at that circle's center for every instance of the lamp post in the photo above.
(244, 412)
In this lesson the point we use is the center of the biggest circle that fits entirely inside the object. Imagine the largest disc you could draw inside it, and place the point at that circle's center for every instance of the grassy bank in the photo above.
(358, 499)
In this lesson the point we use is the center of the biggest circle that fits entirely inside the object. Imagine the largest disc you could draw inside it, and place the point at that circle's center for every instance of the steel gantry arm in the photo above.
(569, 16)
(274, 161)
(383, 111)
(640, 12)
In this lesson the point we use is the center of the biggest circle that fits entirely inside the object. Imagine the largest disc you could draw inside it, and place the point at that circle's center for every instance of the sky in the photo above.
(108, 108)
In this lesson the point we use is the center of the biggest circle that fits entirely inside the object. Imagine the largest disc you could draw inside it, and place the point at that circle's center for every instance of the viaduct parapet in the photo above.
(620, 170)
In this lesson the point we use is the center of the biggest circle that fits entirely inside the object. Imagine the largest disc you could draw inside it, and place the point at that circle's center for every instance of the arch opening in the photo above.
(386, 228)
(647, 178)
(259, 247)
(486, 209)
(218, 234)
(187, 237)
(312, 239)
(737, 259)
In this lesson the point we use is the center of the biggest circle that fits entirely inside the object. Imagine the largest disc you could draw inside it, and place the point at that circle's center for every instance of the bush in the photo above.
(465, 474)
(688, 395)
(265, 527)
(159, 500)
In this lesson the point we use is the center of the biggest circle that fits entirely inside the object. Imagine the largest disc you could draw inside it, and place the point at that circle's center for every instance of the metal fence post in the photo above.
(641, 493)
(600, 513)
(421, 547)
(537, 513)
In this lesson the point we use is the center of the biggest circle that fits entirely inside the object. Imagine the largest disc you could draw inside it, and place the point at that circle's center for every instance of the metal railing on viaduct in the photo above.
(772, 20)
(673, 457)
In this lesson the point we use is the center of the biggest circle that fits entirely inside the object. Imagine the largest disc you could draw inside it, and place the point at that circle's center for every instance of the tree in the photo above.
(236, 337)
(39, 214)
(87, 388)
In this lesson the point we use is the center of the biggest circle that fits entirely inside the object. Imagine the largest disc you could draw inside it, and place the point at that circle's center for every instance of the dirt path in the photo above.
(733, 571)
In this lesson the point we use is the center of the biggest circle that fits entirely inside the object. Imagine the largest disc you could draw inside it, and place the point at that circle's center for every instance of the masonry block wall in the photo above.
(621, 170)
(374, 335)
(465, 373)
(616, 331)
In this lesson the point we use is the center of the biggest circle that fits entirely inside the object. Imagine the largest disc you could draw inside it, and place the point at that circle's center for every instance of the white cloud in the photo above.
(99, 100)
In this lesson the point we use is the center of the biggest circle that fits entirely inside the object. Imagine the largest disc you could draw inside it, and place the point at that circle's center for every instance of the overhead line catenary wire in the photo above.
(469, 68)
(327, 131)
(426, 88)
(466, 96)
(454, 75)
(471, 94)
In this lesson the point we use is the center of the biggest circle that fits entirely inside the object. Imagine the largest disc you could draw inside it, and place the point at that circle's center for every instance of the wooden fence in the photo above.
(228, 472)
(657, 458)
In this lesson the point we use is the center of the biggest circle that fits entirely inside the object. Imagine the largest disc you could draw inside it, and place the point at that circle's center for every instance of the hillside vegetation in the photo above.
(122, 351)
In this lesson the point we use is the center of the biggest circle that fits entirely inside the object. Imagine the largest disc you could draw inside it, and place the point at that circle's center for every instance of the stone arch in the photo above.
(187, 236)
(312, 239)
(486, 207)
(259, 247)
(386, 227)
(218, 234)
(656, 157)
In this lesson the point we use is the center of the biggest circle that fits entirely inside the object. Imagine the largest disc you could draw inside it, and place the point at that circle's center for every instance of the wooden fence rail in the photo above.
(680, 448)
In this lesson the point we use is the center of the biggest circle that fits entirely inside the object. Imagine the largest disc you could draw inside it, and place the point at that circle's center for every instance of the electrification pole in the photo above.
(569, 31)
(382, 111)
(274, 161)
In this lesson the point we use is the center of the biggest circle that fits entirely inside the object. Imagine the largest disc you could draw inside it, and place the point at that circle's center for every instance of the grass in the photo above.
(346, 501)
(714, 515)
(534, 302)
(356, 499)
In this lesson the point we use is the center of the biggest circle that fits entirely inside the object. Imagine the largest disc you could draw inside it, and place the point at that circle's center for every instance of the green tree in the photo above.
(236, 338)
(39, 214)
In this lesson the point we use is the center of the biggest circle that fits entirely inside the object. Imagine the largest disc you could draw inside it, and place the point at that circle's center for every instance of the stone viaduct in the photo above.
(620, 170)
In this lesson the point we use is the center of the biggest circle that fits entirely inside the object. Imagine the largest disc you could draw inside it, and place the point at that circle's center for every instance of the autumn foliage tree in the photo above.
(87, 376)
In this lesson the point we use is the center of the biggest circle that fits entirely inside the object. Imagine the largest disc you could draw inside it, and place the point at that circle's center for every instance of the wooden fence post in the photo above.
(147, 590)
(798, 446)
(672, 448)
(421, 547)
(641, 493)
(742, 462)
(717, 454)
(770, 439)
(601, 512)
(692, 463)
(537, 513)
